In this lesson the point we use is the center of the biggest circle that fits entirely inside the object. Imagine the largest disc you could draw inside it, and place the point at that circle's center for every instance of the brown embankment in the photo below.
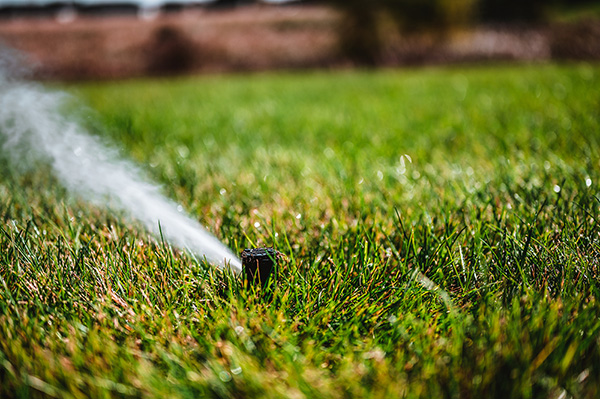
(261, 38)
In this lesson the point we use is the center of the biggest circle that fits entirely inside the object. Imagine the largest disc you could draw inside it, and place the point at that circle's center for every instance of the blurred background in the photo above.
(109, 39)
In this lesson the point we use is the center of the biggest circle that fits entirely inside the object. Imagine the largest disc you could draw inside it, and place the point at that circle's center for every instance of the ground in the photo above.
(439, 231)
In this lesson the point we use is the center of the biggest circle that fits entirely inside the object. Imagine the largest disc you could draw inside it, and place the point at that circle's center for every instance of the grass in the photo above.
(439, 226)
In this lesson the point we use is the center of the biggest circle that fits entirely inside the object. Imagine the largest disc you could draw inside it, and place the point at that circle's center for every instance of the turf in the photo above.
(439, 228)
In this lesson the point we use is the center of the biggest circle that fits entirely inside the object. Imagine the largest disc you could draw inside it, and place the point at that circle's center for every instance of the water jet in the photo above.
(34, 131)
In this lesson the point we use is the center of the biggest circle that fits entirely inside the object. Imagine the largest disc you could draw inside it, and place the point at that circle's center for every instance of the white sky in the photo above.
(144, 3)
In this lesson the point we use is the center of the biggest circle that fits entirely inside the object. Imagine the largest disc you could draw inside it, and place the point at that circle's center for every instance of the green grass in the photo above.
(439, 226)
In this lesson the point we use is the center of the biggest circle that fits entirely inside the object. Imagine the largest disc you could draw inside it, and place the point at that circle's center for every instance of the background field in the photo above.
(439, 226)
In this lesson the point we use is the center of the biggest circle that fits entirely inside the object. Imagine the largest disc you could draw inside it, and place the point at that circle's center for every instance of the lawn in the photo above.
(439, 231)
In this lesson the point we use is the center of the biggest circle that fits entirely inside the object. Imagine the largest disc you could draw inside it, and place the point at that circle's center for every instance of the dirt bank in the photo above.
(260, 38)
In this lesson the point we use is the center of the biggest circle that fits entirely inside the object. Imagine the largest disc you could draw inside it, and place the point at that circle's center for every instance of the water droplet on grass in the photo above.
(183, 151)
(556, 188)
(224, 376)
(588, 182)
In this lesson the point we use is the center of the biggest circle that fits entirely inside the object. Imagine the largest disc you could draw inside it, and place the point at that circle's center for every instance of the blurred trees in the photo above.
(170, 51)
(511, 10)
(366, 23)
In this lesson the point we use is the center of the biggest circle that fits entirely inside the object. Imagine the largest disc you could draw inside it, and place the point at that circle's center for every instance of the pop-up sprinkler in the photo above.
(258, 264)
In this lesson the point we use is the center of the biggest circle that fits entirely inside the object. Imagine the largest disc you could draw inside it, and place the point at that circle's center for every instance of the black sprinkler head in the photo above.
(258, 263)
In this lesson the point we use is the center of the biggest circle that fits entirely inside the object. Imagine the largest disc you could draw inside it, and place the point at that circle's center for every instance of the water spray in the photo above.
(33, 129)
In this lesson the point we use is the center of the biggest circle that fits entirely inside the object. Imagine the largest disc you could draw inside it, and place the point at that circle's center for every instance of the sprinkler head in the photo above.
(258, 264)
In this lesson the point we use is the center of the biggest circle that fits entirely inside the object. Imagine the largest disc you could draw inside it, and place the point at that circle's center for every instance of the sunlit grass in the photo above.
(439, 229)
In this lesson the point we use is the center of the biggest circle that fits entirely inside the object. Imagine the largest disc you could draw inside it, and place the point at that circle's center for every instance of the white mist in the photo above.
(34, 128)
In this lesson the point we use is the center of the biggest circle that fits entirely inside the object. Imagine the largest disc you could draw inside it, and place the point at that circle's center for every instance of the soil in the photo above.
(260, 37)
